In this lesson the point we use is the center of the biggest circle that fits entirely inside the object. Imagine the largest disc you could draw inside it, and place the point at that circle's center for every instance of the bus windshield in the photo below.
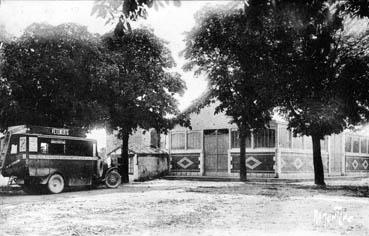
(2, 150)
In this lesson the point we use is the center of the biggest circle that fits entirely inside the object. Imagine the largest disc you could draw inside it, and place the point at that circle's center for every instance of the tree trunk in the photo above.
(123, 168)
(243, 171)
(318, 164)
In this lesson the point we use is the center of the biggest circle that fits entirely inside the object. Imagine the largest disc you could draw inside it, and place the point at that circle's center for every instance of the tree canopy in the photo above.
(129, 9)
(325, 75)
(287, 54)
(233, 53)
(137, 85)
(48, 76)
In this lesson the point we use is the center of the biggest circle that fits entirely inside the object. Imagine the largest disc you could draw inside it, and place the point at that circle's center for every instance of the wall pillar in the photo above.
(229, 162)
(202, 165)
(136, 175)
(343, 157)
(277, 163)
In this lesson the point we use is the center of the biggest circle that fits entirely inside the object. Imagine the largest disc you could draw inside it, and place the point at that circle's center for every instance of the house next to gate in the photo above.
(211, 148)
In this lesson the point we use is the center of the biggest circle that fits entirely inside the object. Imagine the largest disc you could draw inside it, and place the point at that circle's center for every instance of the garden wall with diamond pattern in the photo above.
(356, 154)
(255, 162)
(300, 162)
(185, 164)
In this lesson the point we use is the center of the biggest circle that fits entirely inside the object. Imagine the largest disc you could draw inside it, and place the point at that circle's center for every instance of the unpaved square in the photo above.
(163, 207)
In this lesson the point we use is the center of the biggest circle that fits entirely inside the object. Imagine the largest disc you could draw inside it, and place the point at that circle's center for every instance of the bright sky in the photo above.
(169, 23)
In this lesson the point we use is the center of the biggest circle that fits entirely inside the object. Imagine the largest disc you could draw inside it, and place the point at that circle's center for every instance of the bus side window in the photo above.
(94, 149)
(44, 148)
(79, 148)
(14, 145)
(22, 144)
(32, 144)
(14, 149)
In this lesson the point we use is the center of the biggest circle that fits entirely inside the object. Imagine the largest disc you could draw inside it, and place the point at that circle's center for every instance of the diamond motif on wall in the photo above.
(283, 163)
(355, 164)
(365, 164)
(252, 163)
(298, 163)
(185, 162)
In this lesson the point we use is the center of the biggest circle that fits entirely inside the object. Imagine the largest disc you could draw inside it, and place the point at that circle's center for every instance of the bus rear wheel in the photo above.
(55, 184)
(113, 179)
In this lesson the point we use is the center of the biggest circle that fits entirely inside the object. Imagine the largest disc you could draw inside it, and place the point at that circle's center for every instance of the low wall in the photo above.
(150, 166)
(256, 162)
(185, 162)
(357, 164)
(281, 163)
(299, 163)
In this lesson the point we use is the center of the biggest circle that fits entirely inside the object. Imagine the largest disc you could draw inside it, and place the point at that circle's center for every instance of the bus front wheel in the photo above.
(113, 179)
(55, 183)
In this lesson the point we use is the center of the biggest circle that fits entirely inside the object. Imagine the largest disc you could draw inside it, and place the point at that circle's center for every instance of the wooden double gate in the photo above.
(216, 145)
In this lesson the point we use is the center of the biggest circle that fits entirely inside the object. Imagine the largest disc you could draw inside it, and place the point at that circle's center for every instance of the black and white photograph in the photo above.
(184, 117)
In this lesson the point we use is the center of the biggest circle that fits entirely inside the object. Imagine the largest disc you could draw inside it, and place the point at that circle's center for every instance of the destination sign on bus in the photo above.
(60, 131)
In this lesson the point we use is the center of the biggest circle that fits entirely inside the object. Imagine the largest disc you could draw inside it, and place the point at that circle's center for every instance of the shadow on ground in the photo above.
(249, 188)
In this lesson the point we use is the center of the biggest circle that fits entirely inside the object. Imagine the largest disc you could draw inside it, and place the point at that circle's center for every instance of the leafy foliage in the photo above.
(317, 61)
(289, 54)
(235, 67)
(137, 85)
(137, 75)
(324, 79)
(48, 77)
(230, 47)
(131, 9)
(358, 8)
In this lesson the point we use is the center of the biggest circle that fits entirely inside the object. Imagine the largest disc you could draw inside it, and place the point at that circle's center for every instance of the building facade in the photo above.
(211, 148)
(148, 158)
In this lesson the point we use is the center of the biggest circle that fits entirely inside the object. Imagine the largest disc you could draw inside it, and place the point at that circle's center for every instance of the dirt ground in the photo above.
(178, 207)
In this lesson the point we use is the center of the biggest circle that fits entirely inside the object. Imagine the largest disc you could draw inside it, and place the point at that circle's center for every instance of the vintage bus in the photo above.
(43, 159)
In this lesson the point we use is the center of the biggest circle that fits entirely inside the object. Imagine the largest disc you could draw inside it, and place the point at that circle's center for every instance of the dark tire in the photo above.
(33, 189)
(55, 184)
(94, 185)
(113, 179)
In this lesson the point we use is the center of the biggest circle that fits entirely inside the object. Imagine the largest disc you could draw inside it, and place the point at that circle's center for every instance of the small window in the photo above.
(193, 140)
(348, 144)
(308, 143)
(235, 139)
(297, 142)
(14, 149)
(324, 144)
(14, 145)
(210, 132)
(32, 144)
(177, 140)
(363, 145)
(22, 144)
(284, 137)
(222, 131)
(264, 138)
(2, 143)
(80, 148)
(57, 149)
(355, 145)
(163, 141)
(52, 146)
(94, 149)
(44, 148)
